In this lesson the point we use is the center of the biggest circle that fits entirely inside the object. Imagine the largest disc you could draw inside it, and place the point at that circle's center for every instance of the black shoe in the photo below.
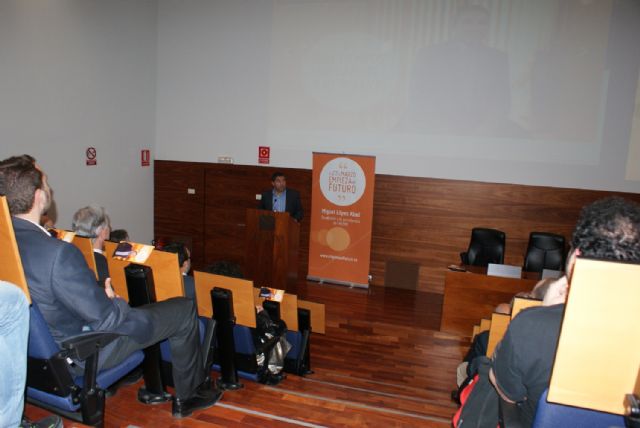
(202, 399)
(147, 397)
(274, 379)
(52, 421)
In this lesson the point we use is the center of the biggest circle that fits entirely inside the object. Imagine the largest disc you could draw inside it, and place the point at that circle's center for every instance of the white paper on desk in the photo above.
(506, 271)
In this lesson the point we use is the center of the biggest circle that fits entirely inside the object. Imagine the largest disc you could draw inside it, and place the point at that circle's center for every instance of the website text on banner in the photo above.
(341, 218)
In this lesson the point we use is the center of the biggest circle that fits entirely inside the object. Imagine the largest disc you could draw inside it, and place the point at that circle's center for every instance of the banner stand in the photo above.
(341, 219)
(337, 282)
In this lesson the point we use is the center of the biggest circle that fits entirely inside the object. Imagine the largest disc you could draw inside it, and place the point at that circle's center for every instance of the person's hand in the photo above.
(109, 289)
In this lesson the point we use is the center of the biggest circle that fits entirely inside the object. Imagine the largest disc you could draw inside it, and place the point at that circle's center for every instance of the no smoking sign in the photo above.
(91, 156)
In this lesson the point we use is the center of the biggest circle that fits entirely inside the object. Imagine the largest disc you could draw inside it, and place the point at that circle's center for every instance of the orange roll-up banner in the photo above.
(341, 218)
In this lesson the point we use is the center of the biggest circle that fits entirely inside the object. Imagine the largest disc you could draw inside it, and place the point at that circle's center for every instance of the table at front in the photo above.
(469, 297)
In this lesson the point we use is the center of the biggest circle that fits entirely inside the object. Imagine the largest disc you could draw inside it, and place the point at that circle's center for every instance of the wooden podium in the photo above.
(271, 258)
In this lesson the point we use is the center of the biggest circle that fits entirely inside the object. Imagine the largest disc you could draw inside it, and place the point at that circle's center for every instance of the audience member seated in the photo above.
(269, 336)
(607, 229)
(14, 336)
(93, 222)
(119, 235)
(538, 292)
(480, 343)
(184, 260)
(64, 288)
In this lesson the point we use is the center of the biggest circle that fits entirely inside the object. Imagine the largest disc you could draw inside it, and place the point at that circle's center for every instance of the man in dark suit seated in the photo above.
(281, 199)
(184, 261)
(65, 290)
(93, 222)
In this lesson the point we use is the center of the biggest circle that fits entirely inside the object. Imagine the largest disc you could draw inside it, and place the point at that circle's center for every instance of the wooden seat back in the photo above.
(10, 264)
(317, 315)
(520, 303)
(86, 248)
(288, 308)
(485, 325)
(166, 273)
(475, 331)
(499, 325)
(243, 297)
(598, 353)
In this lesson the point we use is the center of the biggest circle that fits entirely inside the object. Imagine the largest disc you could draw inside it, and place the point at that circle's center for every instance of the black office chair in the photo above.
(545, 251)
(486, 246)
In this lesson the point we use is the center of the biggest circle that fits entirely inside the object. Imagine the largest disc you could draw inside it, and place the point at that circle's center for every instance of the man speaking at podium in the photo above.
(281, 199)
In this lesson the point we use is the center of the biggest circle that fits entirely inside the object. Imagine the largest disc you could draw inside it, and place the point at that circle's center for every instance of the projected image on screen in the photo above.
(507, 80)
(633, 159)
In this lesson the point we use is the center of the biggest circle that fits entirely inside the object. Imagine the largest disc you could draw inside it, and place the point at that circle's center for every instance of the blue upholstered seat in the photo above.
(246, 363)
(61, 393)
(549, 415)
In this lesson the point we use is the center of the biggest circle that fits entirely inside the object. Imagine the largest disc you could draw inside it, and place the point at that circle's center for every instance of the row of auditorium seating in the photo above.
(49, 380)
(544, 250)
(53, 386)
(580, 401)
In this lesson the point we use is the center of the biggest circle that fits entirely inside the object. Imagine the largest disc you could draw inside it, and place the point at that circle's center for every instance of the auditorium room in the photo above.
(319, 213)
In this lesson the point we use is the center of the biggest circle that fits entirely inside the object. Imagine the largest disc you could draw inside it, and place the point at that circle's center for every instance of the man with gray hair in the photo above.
(93, 222)
(64, 288)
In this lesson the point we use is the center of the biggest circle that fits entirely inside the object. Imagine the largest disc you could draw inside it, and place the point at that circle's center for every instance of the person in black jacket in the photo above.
(281, 199)
(71, 302)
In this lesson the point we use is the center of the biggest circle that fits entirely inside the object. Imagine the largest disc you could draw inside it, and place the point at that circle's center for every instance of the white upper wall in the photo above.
(538, 93)
(76, 74)
(197, 79)
(213, 77)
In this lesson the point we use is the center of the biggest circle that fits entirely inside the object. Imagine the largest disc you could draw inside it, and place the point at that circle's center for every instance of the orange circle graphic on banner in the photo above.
(338, 239)
(321, 236)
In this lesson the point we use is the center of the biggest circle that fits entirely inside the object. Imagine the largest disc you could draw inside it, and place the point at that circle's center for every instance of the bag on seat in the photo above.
(479, 400)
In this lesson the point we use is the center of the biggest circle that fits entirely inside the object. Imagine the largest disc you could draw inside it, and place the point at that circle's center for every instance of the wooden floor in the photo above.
(383, 362)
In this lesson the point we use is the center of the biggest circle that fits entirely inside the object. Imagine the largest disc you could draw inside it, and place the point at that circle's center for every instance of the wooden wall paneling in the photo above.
(179, 214)
(471, 296)
(231, 190)
(420, 220)
(430, 220)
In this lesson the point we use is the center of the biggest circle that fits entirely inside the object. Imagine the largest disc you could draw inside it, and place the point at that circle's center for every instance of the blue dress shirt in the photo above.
(279, 201)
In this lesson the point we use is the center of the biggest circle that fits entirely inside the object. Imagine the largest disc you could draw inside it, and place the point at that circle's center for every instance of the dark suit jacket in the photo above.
(189, 287)
(65, 289)
(293, 205)
(102, 267)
